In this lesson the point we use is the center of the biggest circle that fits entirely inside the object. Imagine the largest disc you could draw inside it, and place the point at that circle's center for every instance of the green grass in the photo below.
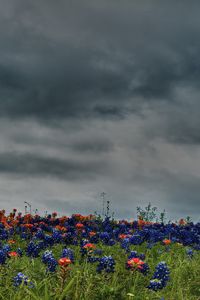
(84, 283)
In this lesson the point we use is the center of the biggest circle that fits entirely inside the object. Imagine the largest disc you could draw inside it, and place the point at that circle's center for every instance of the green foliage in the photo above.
(84, 283)
(162, 216)
(148, 213)
(188, 219)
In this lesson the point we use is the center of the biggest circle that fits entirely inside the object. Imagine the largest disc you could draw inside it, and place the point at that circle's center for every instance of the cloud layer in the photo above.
(99, 96)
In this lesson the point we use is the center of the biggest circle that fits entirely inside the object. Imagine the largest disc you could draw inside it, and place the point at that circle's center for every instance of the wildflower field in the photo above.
(88, 257)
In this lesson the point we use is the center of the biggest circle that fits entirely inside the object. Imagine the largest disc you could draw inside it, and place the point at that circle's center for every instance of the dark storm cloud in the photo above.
(95, 146)
(69, 93)
(104, 92)
(32, 165)
(55, 66)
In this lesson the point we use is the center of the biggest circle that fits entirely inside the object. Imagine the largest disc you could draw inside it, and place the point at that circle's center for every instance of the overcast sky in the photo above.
(100, 96)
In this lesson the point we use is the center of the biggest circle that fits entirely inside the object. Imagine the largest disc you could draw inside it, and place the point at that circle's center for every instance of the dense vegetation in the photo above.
(87, 257)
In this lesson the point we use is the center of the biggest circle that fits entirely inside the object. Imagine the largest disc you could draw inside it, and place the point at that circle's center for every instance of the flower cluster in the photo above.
(107, 264)
(68, 253)
(160, 277)
(33, 249)
(49, 260)
(87, 232)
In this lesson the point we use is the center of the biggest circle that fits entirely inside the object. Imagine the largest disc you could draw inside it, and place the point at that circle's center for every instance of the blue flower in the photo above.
(134, 254)
(98, 251)
(107, 264)
(6, 248)
(56, 236)
(3, 234)
(105, 237)
(93, 259)
(46, 256)
(161, 272)
(190, 253)
(40, 234)
(111, 242)
(52, 264)
(2, 257)
(21, 278)
(19, 251)
(125, 244)
(33, 249)
(160, 277)
(155, 284)
(136, 239)
(49, 241)
(145, 269)
(50, 261)
(68, 253)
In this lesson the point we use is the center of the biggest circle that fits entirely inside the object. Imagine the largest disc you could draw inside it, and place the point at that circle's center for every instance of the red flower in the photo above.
(89, 246)
(54, 214)
(135, 263)
(122, 236)
(64, 261)
(13, 254)
(79, 225)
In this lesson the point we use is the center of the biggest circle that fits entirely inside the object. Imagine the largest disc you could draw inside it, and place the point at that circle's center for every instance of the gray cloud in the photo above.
(95, 146)
(54, 66)
(101, 96)
(32, 165)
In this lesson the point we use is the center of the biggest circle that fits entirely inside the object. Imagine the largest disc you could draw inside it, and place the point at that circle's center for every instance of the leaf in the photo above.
(66, 289)
(32, 295)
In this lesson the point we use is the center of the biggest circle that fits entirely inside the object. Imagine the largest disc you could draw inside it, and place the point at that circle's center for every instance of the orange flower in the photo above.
(63, 228)
(182, 222)
(64, 261)
(11, 242)
(92, 233)
(58, 227)
(27, 218)
(166, 242)
(141, 222)
(14, 222)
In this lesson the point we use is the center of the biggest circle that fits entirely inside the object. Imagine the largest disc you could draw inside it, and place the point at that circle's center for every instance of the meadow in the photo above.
(89, 257)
